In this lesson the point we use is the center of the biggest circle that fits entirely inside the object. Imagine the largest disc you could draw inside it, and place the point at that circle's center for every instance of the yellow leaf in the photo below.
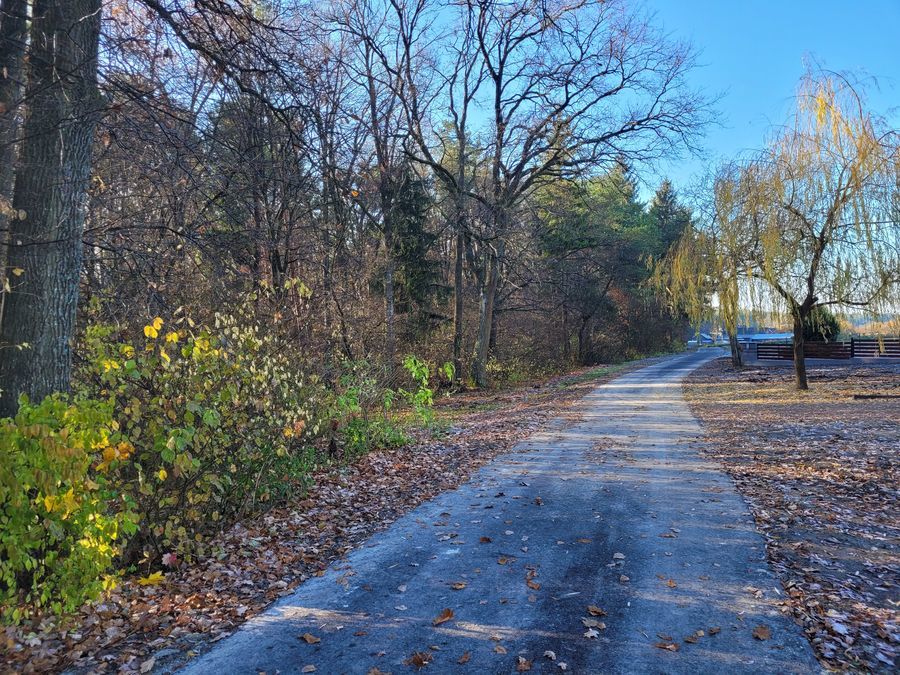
(165, 357)
(162, 474)
(153, 580)
(150, 332)
(157, 323)
(172, 337)
(18, 271)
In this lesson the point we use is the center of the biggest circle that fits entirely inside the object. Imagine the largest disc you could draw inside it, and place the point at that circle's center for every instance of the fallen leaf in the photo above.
(502, 560)
(464, 658)
(310, 639)
(418, 659)
(443, 617)
(668, 646)
(762, 632)
(562, 665)
(550, 655)
(523, 665)
(593, 610)
(533, 585)
(623, 579)
(458, 585)
(500, 649)
(714, 630)
(147, 665)
(308, 669)
(485, 540)
(671, 583)
(618, 556)
(153, 579)
(591, 633)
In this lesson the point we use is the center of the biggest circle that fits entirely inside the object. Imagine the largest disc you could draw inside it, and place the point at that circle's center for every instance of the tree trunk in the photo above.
(736, 358)
(390, 341)
(13, 32)
(485, 321)
(50, 189)
(799, 352)
(585, 346)
(458, 305)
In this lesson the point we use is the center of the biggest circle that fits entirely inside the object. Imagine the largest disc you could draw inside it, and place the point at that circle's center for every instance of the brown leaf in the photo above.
(485, 540)
(464, 658)
(502, 560)
(714, 630)
(671, 583)
(443, 617)
(418, 659)
(458, 585)
(668, 646)
(533, 585)
(310, 639)
(308, 669)
(523, 665)
(500, 649)
(762, 632)
(593, 610)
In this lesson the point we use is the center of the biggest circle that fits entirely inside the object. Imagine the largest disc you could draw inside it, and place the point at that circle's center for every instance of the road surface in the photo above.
(618, 511)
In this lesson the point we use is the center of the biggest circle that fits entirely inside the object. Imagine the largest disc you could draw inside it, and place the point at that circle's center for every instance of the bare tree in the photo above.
(568, 88)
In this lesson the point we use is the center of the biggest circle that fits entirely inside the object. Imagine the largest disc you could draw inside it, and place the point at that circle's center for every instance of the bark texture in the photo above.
(50, 193)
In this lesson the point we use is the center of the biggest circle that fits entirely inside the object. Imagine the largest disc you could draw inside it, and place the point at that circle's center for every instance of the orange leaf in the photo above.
(443, 617)
(464, 658)
(523, 665)
(310, 639)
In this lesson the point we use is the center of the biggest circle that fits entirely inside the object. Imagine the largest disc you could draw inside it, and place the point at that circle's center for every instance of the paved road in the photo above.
(574, 510)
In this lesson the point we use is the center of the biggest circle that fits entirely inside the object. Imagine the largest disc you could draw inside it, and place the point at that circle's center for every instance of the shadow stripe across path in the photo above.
(617, 510)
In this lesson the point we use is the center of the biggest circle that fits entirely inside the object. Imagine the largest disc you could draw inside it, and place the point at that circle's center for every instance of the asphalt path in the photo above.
(617, 511)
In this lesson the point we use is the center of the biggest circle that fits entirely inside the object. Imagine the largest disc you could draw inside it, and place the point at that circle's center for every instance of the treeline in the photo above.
(378, 177)
(227, 224)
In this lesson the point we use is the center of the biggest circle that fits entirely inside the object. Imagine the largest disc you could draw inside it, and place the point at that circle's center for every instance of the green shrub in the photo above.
(220, 418)
(363, 411)
(59, 517)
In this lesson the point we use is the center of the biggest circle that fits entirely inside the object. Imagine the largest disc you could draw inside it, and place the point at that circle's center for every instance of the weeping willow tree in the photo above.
(818, 210)
(701, 274)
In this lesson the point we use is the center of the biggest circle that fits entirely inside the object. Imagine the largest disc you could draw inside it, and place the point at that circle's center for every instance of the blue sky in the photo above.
(752, 52)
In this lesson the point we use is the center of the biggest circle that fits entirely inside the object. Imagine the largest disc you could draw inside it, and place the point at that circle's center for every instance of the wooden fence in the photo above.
(856, 347)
